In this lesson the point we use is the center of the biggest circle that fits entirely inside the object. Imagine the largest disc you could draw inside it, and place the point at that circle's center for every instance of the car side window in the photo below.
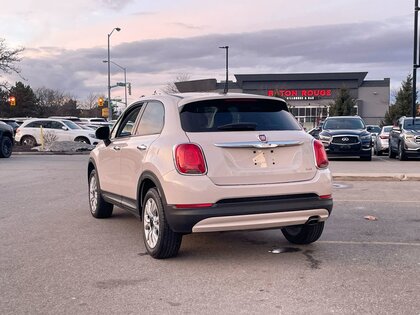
(152, 120)
(34, 124)
(55, 125)
(125, 127)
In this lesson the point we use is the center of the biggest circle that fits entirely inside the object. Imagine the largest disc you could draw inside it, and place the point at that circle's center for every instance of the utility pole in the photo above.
(227, 68)
(415, 60)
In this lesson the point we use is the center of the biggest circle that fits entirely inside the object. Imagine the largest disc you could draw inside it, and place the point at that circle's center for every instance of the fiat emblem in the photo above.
(345, 139)
(262, 138)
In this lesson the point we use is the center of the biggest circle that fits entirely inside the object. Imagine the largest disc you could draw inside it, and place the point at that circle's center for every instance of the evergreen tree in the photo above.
(344, 104)
(403, 103)
(26, 102)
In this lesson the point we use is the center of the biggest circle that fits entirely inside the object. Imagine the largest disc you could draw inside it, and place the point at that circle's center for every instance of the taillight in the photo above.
(189, 159)
(326, 197)
(18, 130)
(321, 158)
(384, 137)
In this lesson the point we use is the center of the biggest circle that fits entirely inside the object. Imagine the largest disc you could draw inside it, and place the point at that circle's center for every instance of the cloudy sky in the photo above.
(66, 41)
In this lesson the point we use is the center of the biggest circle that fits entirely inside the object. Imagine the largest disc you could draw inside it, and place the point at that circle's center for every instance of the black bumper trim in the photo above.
(183, 220)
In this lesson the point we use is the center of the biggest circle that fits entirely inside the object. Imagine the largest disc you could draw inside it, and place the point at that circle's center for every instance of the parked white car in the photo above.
(29, 133)
(93, 120)
(192, 163)
(381, 143)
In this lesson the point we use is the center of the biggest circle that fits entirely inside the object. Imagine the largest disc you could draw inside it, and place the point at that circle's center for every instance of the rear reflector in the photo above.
(189, 159)
(194, 205)
(325, 196)
(321, 158)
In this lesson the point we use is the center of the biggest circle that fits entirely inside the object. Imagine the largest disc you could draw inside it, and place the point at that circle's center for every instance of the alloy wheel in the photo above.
(93, 194)
(151, 223)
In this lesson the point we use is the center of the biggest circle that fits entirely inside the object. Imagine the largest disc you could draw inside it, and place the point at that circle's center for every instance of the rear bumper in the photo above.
(252, 213)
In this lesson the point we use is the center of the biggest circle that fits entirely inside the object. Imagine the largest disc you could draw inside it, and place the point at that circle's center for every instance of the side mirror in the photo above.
(102, 133)
(65, 128)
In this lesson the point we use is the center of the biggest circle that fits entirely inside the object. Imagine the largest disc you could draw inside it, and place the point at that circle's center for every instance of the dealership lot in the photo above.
(57, 259)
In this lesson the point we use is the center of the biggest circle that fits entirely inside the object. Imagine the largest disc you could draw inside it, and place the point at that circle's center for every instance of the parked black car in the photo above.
(12, 123)
(6, 140)
(404, 139)
(346, 136)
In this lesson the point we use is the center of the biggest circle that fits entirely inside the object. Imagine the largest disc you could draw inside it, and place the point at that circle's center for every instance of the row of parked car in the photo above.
(350, 136)
(27, 131)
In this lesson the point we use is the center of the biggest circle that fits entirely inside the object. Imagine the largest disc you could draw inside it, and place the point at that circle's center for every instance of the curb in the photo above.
(396, 177)
(51, 153)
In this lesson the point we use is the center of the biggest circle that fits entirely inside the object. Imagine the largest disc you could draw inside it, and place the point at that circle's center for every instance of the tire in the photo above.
(6, 145)
(402, 156)
(99, 208)
(303, 234)
(28, 140)
(160, 241)
(82, 139)
(391, 154)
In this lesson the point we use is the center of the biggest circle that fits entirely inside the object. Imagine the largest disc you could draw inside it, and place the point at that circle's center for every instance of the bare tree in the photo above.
(170, 87)
(91, 101)
(8, 59)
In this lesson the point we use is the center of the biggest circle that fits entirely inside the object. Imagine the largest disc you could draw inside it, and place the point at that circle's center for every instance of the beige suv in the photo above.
(190, 163)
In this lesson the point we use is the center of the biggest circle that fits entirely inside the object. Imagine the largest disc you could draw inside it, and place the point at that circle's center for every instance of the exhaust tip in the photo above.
(312, 220)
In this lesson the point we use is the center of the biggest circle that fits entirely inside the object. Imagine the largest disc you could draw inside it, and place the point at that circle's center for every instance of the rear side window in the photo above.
(36, 124)
(237, 115)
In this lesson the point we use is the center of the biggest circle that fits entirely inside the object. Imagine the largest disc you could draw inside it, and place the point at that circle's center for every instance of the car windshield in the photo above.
(387, 129)
(237, 115)
(374, 129)
(408, 124)
(71, 124)
(344, 123)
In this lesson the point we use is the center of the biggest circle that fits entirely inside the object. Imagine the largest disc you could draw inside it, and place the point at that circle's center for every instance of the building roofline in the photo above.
(359, 76)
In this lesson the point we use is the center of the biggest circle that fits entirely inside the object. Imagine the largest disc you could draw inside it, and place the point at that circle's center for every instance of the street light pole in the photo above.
(125, 78)
(415, 60)
(109, 73)
(227, 67)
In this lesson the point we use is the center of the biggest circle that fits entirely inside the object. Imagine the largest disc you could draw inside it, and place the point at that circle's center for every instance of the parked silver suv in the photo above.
(190, 163)
(404, 138)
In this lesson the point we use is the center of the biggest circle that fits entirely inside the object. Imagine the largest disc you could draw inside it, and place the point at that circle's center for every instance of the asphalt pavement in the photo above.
(57, 259)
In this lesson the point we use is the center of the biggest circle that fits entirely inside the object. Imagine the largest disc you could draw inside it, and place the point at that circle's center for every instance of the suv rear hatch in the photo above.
(249, 141)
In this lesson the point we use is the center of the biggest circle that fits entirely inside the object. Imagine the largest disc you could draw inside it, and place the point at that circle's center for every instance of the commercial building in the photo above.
(309, 95)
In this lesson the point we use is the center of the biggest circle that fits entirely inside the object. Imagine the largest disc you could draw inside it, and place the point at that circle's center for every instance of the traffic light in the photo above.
(100, 101)
(12, 100)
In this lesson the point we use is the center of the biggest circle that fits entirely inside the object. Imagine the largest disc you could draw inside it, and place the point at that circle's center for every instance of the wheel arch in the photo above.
(82, 137)
(91, 166)
(148, 180)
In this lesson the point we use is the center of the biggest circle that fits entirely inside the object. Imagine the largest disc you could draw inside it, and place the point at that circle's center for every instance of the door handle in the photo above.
(142, 147)
(117, 148)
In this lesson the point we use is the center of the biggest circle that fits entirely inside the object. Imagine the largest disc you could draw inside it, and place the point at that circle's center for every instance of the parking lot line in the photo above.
(386, 201)
(369, 243)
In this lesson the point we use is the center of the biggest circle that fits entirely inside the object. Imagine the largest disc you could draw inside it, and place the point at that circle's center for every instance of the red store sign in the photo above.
(300, 93)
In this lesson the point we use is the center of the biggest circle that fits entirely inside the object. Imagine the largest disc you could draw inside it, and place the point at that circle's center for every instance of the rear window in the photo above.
(237, 115)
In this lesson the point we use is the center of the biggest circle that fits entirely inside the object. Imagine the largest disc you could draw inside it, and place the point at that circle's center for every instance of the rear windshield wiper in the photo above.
(238, 126)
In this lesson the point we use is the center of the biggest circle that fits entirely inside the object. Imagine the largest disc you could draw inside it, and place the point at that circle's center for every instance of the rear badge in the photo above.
(262, 138)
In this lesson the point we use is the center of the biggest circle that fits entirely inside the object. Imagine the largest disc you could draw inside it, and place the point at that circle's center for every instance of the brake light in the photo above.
(321, 158)
(384, 137)
(189, 159)
(18, 130)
